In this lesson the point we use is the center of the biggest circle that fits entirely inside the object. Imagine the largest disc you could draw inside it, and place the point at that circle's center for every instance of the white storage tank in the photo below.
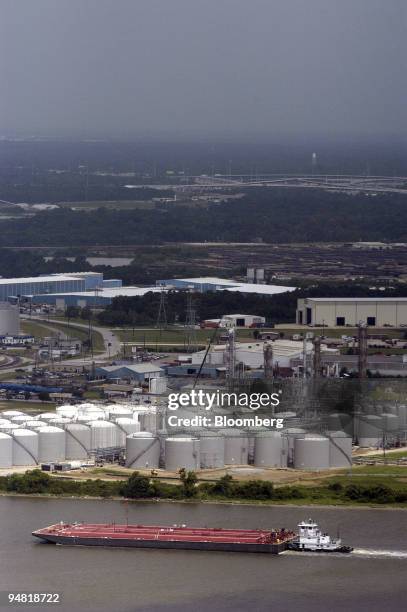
(46, 416)
(87, 418)
(390, 422)
(212, 450)
(8, 414)
(269, 450)
(370, 432)
(20, 418)
(25, 447)
(340, 421)
(51, 444)
(125, 427)
(236, 447)
(6, 450)
(9, 319)
(114, 412)
(148, 421)
(59, 421)
(4, 422)
(142, 450)
(402, 413)
(67, 411)
(77, 441)
(34, 424)
(311, 453)
(340, 449)
(182, 453)
(9, 427)
(104, 434)
(290, 434)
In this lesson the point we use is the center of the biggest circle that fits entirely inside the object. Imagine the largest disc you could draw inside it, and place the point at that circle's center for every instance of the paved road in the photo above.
(110, 340)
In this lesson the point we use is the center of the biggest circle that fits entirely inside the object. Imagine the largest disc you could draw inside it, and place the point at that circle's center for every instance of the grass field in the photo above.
(27, 407)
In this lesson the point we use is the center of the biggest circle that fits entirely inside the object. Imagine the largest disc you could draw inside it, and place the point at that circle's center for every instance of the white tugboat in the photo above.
(310, 538)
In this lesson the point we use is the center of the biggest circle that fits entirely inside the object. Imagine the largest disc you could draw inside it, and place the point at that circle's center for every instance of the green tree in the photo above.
(137, 486)
(189, 480)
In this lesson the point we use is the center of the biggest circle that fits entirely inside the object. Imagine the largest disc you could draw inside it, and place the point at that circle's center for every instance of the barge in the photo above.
(175, 537)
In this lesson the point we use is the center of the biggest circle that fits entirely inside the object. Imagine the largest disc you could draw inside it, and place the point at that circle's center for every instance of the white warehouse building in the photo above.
(339, 312)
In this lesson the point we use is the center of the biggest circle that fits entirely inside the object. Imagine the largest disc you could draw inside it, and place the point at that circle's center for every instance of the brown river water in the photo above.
(373, 577)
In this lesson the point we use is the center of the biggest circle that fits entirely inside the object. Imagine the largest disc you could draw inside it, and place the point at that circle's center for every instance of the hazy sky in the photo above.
(203, 68)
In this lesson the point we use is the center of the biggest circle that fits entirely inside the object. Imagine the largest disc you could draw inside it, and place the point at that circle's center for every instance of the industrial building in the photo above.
(208, 283)
(98, 298)
(139, 372)
(251, 354)
(341, 312)
(235, 320)
(14, 288)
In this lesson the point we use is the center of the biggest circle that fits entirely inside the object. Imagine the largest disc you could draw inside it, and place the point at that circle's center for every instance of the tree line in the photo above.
(268, 215)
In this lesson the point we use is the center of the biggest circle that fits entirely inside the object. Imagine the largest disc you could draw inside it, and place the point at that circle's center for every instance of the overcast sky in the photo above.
(203, 68)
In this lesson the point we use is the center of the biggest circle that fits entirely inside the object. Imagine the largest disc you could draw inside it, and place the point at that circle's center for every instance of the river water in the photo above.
(372, 578)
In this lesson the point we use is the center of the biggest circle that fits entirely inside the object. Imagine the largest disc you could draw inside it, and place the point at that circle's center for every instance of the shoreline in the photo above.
(207, 502)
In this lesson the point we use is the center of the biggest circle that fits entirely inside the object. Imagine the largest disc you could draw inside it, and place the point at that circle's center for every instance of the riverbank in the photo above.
(344, 492)
(207, 502)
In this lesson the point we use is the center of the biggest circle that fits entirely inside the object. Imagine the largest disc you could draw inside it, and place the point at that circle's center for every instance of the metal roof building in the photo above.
(209, 283)
(340, 312)
(52, 283)
(139, 372)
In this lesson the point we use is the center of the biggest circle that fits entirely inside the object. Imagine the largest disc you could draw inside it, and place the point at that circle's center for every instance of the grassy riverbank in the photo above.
(336, 491)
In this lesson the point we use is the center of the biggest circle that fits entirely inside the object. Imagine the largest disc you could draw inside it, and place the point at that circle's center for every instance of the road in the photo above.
(110, 340)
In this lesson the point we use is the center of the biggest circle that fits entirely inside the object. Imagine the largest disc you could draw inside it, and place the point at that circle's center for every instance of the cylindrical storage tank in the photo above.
(340, 449)
(148, 421)
(20, 418)
(125, 427)
(6, 450)
(340, 421)
(51, 444)
(390, 422)
(370, 432)
(212, 450)
(236, 447)
(104, 434)
(9, 319)
(34, 424)
(87, 418)
(60, 420)
(9, 427)
(268, 450)
(402, 412)
(311, 453)
(182, 453)
(8, 414)
(118, 412)
(77, 441)
(285, 415)
(290, 434)
(4, 422)
(46, 416)
(25, 447)
(142, 450)
(67, 411)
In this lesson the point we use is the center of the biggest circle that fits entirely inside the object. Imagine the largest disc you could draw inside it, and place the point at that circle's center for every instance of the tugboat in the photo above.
(310, 538)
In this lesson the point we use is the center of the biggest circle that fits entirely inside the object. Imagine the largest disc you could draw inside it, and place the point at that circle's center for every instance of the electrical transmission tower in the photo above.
(316, 364)
(162, 313)
(190, 325)
(268, 361)
(230, 358)
(362, 341)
